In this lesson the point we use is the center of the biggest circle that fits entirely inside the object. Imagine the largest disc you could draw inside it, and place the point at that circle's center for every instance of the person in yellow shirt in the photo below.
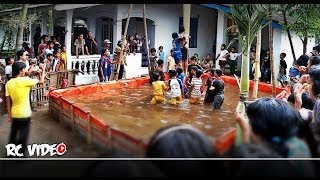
(159, 88)
(18, 103)
(63, 62)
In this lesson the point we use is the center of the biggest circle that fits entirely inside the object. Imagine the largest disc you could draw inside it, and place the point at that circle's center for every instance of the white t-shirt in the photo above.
(233, 56)
(8, 70)
(48, 51)
(171, 62)
(223, 55)
(175, 90)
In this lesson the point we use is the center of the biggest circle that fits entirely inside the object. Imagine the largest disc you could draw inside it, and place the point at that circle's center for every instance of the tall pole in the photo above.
(257, 66)
(186, 20)
(273, 80)
(146, 39)
(123, 42)
(186, 24)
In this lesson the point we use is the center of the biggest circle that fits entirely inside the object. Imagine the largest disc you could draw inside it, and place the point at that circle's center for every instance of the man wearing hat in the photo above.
(107, 45)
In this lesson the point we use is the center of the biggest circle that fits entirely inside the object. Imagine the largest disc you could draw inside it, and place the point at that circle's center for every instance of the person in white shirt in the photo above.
(233, 57)
(170, 60)
(222, 57)
(8, 68)
(175, 88)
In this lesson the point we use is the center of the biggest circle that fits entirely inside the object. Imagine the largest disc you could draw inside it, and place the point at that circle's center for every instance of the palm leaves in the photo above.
(248, 19)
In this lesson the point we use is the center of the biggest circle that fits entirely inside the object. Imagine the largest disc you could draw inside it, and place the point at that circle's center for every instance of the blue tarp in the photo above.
(228, 10)
(219, 7)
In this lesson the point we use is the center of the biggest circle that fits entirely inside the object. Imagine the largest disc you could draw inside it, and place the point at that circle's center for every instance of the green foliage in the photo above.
(11, 23)
(49, 22)
(9, 6)
(249, 20)
(304, 18)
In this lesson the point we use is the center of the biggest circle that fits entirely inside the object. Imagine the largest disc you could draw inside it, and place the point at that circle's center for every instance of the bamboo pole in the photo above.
(273, 73)
(123, 42)
(186, 25)
(186, 20)
(89, 135)
(257, 66)
(146, 39)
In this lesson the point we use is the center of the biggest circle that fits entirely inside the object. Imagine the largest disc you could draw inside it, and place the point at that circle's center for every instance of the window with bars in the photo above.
(193, 31)
(107, 30)
(26, 35)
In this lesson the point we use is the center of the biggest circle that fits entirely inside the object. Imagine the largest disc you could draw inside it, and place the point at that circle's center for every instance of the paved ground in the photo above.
(46, 130)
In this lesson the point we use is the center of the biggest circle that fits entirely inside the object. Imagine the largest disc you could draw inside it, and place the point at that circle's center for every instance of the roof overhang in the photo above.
(227, 9)
(29, 7)
(61, 7)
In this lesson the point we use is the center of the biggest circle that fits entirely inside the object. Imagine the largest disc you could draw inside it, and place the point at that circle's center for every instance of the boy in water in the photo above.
(175, 87)
(159, 88)
(188, 80)
(218, 89)
(160, 69)
(196, 83)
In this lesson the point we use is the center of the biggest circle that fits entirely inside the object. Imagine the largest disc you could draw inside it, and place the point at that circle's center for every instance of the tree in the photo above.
(305, 21)
(10, 24)
(23, 16)
(286, 9)
(9, 6)
(273, 73)
(248, 20)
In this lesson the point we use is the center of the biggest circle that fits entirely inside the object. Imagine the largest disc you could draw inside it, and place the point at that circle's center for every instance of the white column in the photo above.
(117, 27)
(68, 43)
(221, 33)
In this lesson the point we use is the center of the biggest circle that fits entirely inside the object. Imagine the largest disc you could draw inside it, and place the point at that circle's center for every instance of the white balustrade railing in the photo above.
(87, 64)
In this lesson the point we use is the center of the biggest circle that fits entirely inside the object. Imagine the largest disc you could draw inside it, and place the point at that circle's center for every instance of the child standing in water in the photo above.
(196, 83)
(218, 89)
(175, 87)
(181, 76)
(159, 88)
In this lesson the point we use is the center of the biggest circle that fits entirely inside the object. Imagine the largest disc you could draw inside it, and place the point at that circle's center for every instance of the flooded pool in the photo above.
(128, 109)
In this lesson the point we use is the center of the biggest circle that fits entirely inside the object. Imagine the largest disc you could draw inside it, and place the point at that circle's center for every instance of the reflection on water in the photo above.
(129, 110)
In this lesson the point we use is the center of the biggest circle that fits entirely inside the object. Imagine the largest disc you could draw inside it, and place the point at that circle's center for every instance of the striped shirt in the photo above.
(196, 83)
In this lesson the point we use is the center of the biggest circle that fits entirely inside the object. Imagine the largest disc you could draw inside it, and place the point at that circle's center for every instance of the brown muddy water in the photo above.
(128, 109)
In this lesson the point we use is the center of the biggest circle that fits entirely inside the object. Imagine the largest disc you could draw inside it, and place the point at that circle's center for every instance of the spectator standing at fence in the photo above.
(63, 62)
(80, 45)
(26, 47)
(23, 56)
(43, 46)
(107, 45)
(91, 44)
(55, 42)
(49, 49)
(8, 68)
(18, 103)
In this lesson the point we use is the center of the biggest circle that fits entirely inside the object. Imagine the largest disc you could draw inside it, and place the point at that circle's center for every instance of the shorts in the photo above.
(158, 99)
(222, 62)
(177, 57)
(218, 101)
(195, 100)
(184, 52)
(175, 100)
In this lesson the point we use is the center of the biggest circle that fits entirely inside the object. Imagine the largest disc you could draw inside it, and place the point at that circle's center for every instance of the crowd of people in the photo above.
(287, 126)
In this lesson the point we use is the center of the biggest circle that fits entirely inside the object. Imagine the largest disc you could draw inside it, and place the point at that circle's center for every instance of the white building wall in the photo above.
(297, 44)
(276, 49)
(166, 19)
